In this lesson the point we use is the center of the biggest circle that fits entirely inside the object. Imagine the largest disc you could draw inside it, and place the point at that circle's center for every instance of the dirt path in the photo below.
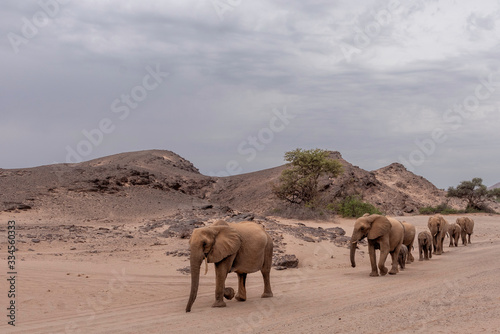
(457, 292)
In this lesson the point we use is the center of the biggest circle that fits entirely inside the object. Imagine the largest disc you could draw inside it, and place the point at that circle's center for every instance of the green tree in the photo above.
(299, 183)
(474, 192)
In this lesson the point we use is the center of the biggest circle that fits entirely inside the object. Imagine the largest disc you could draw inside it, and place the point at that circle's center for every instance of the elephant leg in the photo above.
(410, 256)
(394, 255)
(420, 251)
(429, 251)
(381, 262)
(221, 271)
(266, 270)
(242, 292)
(267, 284)
(469, 238)
(373, 260)
(439, 246)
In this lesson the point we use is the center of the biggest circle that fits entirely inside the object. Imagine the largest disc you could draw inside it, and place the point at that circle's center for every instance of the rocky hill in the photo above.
(157, 183)
(392, 189)
(496, 185)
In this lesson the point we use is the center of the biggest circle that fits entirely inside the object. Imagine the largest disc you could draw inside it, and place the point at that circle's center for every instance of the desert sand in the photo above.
(106, 277)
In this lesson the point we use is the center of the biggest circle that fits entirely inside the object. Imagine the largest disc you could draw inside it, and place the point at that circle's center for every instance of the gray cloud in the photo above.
(407, 68)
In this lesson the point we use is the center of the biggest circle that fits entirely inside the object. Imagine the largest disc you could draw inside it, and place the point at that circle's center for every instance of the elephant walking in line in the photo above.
(424, 245)
(236, 247)
(438, 226)
(454, 232)
(382, 233)
(409, 238)
(403, 255)
(467, 226)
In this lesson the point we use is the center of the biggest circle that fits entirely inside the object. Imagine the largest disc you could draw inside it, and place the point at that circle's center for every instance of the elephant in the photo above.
(467, 226)
(424, 245)
(403, 255)
(408, 239)
(242, 248)
(454, 232)
(438, 226)
(382, 233)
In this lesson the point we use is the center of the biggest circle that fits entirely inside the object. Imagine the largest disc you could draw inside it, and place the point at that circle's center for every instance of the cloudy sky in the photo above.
(233, 84)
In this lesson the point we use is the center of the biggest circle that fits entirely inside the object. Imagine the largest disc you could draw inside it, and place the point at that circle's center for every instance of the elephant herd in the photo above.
(396, 238)
(246, 247)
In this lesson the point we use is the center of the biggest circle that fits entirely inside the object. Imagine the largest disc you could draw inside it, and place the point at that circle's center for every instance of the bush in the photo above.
(353, 207)
(299, 182)
(442, 208)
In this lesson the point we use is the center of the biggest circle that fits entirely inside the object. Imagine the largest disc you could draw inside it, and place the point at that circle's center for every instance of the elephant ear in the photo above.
(380, 226)
(227, 242)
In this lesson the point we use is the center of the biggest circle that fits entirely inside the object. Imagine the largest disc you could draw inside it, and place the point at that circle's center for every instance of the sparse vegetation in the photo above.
(442, 208)
(298, 184)
(475, 193)
(354, 207)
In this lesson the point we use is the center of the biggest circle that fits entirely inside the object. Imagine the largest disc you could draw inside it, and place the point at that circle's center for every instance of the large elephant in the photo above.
(454, 232)
(438, 226)
(467, 226)
(382, 233)
(409, 238)
(424, 246)
(235, 247)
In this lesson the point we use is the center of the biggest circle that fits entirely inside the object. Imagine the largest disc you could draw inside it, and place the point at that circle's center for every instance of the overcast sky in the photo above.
(233, 84)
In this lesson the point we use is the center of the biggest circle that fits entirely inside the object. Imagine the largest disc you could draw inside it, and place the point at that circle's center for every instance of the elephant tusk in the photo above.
(353, 242)
(206, 265)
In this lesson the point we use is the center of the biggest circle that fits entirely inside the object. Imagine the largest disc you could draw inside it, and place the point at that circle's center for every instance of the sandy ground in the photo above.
(115, 284)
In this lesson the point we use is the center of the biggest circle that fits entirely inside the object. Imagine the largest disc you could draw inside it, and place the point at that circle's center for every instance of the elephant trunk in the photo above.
(195, 280)
(354, 245)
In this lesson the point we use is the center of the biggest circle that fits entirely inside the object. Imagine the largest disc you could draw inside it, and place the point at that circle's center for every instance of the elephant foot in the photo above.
(266, 295)
(393, 272)
(240, 298)
(383, 271)
(420, 259)
(229, 293)
(219, 303)
(374, 274)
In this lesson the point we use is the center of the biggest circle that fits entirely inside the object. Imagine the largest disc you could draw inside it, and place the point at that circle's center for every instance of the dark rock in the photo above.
(286, 261)
(308, 239)
(242, 217)
(185, 270)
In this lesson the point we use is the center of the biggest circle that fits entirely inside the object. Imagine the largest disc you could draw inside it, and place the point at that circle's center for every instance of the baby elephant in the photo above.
(424, 245)
(403, 254)
(454, 231)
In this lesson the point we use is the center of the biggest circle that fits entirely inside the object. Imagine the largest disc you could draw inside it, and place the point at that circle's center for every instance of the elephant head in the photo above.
(437, 225)
(372, 227)
(213, 243)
